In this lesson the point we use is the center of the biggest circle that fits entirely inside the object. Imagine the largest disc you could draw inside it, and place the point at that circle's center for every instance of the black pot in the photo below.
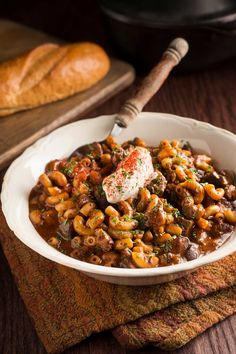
(141, 30)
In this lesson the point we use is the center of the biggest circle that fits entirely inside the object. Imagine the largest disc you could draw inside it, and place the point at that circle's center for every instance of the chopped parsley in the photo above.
(59, 236)
(88, 186)
(137, 232)
(176, 213)
(119, 188)
(193, 170)
(140, 161)
(126, 218)
(126, 174)
(141, 218)
(167, 246)
(90, 155)
(167, 257)
(209, 169)
(68, 169)
(114, 220)
(156, 252)
(100, 190)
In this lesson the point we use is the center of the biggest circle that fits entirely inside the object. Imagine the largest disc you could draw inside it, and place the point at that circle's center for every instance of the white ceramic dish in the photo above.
(153, 127)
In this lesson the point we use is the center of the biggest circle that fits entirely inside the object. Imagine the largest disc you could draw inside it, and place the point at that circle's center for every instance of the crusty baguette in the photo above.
(49, 73)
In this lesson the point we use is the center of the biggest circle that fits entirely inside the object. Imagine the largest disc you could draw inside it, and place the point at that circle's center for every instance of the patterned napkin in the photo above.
(67, 306)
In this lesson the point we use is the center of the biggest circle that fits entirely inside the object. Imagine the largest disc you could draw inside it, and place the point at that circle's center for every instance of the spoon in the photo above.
(176, 50)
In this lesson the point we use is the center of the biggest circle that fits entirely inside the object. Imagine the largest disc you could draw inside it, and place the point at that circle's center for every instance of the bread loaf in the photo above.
(49, 73)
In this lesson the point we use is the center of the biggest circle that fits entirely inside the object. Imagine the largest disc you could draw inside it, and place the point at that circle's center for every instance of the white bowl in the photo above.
(153, 127)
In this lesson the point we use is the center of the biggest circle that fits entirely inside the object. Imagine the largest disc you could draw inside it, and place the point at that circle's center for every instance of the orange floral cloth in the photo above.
(67, 306)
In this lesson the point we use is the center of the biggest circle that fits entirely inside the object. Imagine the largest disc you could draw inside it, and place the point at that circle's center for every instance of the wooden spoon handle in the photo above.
(176, 50)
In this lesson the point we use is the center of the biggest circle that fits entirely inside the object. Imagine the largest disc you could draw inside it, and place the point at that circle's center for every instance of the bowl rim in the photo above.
(58, 257)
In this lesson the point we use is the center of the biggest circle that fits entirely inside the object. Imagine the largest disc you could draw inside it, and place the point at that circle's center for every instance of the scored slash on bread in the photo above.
(49, 73)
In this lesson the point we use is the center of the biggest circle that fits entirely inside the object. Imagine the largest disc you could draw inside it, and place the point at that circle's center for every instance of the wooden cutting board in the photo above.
(22, 129)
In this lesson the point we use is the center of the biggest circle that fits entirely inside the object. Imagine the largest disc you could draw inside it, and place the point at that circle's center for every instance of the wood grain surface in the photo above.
(208, 95)
(23, 128)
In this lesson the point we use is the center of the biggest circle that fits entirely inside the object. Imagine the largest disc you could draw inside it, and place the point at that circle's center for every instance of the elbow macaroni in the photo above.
(144, 231)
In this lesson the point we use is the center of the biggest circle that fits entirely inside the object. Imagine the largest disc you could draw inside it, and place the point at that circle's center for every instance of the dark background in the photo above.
(60, 18)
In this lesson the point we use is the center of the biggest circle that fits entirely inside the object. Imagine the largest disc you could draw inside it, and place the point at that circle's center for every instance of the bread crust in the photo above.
(49, 73)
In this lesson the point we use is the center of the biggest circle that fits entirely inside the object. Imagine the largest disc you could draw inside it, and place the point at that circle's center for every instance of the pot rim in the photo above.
(205, 22)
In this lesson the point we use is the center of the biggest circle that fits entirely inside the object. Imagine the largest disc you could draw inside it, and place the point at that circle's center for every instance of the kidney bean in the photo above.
(192, 252)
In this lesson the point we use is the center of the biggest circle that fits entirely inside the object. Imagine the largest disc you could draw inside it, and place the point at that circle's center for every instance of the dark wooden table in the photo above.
(209, 96)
